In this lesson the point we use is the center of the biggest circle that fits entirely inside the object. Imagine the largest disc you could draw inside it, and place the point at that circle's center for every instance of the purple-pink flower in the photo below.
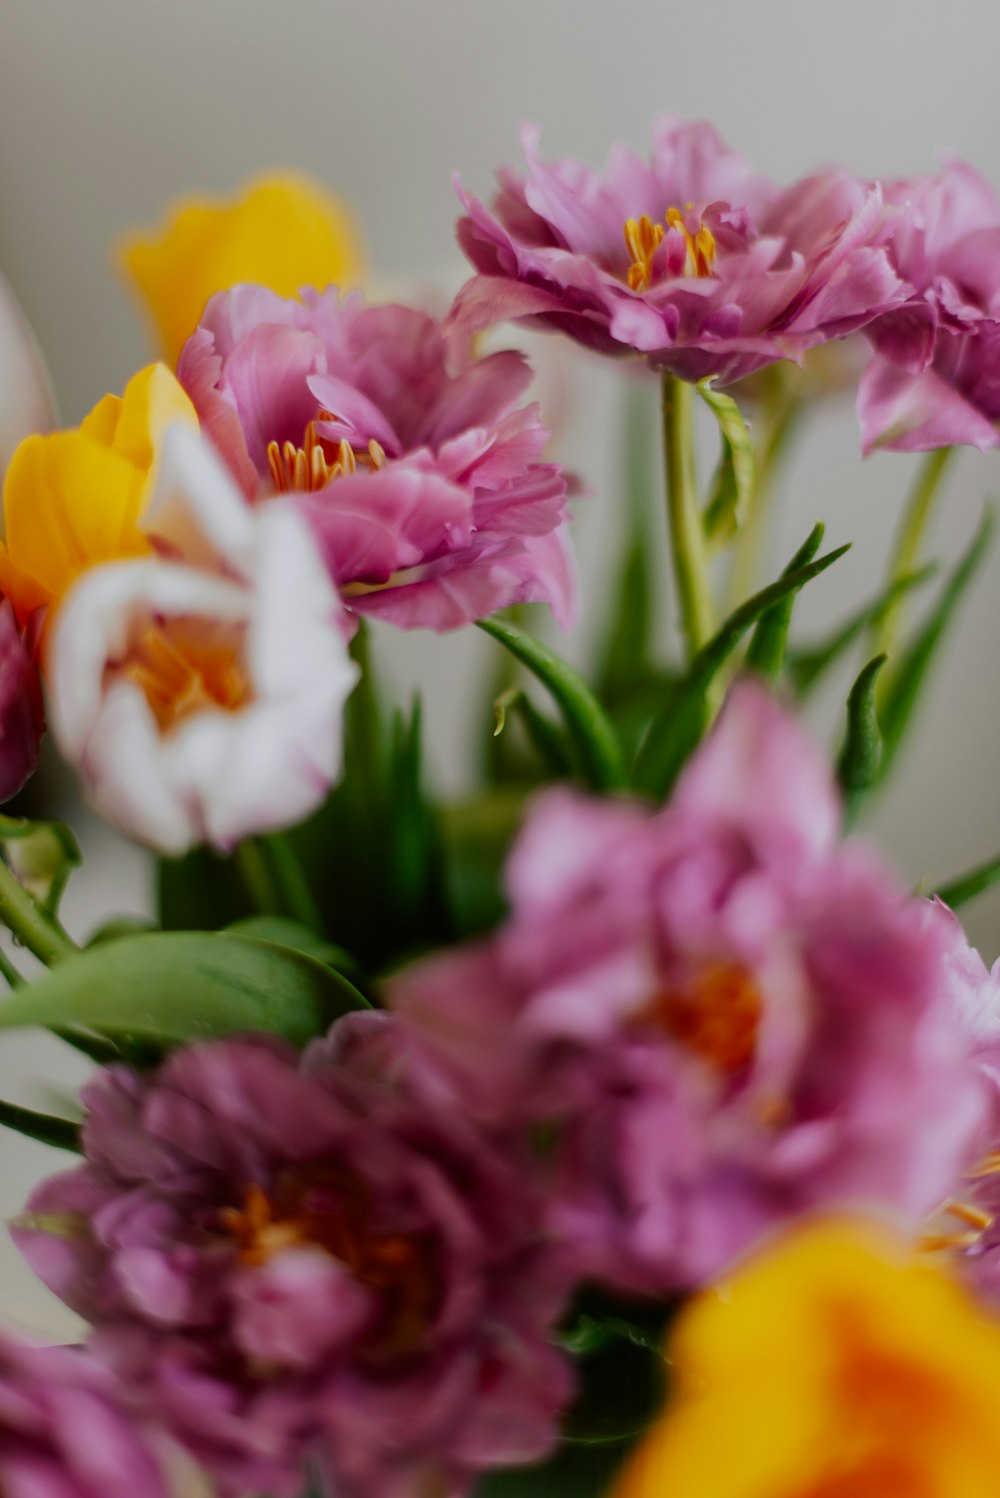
(65, 1431)
(701, 1021)
(21, 716)
(309, 1258)
(935, 378)
(419, 470)
(691, 258)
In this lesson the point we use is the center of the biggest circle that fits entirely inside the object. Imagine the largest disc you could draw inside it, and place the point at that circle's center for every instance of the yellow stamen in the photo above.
(642, 240)
(716, 1013)
(700, 246)
(309, 468)
(989, 1165)
(180, 676)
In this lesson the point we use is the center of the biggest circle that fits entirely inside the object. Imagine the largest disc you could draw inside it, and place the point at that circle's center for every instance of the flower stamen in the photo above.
(309, 468)
(180, 676)
(643, 238)
(716, 1013)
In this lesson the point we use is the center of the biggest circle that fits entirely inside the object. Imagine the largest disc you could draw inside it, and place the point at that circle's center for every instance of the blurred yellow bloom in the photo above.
(834, 1365)
(75, 498)
(284, 232)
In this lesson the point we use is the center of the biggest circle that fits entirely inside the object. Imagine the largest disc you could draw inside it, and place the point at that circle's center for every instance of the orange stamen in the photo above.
(309, 468)
(716, 1014)
(180, 676)
(643, 238)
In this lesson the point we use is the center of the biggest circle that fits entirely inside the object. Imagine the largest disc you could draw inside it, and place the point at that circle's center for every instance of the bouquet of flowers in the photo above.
(624, 1127)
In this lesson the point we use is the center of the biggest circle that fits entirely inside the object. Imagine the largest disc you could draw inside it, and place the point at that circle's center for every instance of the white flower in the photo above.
(201, 692)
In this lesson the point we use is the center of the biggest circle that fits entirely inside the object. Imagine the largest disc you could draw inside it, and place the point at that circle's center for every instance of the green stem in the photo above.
(9, 972)
(40, 932)
(687, 537)
(967, 886)
(293, 886)
(257, 878)
(908, 543)
(782, 424)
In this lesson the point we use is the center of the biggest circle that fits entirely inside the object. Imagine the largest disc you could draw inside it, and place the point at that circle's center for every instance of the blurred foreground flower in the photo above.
(21, 716)
(715, 1017)
(26, 401)
(200, 691)
(65, 1433)
(691, 259)
(416, 468)
(283, 231)
(934, 380)
(77, 498)
(288, 1256)
(830, 1366)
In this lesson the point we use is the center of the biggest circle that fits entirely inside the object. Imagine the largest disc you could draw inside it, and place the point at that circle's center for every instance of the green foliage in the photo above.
(861, 755)
(687, 712)
(967, 886)
(587, 724)
(908, 678)
(732, 488)
(625, 652)
(42, 855)
(546, 738)
(60, 1133)
(807, 666)
(174, 987)
(766, 653)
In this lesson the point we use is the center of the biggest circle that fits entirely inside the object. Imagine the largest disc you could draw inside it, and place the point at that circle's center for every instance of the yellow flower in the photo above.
(75, 498)
(284, 232)
(834, 1365)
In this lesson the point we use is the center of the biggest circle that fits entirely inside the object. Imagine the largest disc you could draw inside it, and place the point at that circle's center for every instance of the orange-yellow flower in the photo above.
(283, 231)
(75, 498)
(833, 1365)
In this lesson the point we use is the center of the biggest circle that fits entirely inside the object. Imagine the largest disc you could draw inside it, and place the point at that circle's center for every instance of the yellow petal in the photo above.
(74, 499)
(284, 232)
(69, 502)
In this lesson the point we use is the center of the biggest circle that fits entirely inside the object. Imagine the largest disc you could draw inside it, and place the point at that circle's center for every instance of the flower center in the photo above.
(716, 1014)
(330, 1208)
(180, 676)
(318, 461)
(643, 238)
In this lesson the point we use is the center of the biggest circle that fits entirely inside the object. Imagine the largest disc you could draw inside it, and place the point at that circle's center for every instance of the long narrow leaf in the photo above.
(546, 738)
(861, 755)
(736, 474)
(806, 667)
(973, 882)
(61, 1133)
(904, 686)
(766, 653)
(687, 712)
(625, 653)
(590, 731)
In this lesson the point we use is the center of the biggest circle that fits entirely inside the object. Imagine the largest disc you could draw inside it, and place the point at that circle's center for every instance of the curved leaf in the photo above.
(733, 486)
(861, 756)
(592, 735)
(766, 652)
(180, 986)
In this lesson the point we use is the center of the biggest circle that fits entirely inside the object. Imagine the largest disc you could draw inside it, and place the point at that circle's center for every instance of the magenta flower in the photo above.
(21, 720)
(295, 1258)
(934, 381)
(419, 471)
(690, 259)
(64, 1430)
(715, 1016)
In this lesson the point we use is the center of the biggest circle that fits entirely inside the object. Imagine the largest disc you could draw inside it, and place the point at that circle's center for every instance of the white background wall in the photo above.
(109, 108)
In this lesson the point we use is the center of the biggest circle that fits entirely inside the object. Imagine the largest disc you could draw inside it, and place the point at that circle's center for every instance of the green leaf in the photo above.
(967, 886)
(806, 667)
(573, 1472)
(119, 926)
(904, 685)
(42, 855)
(281, 931)
(587, 725)
(476, 836)
(546, 738)
(861, 755)
(176, 987)
(766, 653)
(736, 475)
(201, 891)
(61, 1133)
(685, 716)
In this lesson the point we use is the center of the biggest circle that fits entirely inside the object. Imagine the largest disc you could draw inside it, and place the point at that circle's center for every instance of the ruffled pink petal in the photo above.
(917, 412)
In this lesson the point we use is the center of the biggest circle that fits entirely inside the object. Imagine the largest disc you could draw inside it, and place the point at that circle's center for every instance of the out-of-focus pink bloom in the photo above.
(691, 259)
(934, 381)
(21, 718)
(309, 1257)
(715, 1016)
(200, 691)
(64, 1430)
(416, 467)
(26, 400)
